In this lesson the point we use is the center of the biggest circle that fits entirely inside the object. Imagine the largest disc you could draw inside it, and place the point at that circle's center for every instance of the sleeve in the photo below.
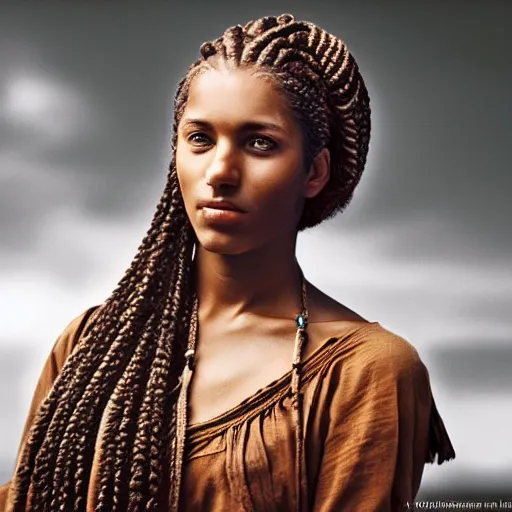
(62, 348)
(380, 431)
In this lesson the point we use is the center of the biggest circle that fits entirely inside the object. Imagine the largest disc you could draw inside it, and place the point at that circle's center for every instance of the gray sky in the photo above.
(86, 94)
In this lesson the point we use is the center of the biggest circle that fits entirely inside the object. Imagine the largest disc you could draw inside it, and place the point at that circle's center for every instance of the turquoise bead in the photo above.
(301, 322)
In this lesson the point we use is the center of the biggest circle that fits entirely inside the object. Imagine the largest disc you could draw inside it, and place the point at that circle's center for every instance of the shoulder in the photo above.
(373, 355)
(381, 347)
(69, 337)
(359, 345)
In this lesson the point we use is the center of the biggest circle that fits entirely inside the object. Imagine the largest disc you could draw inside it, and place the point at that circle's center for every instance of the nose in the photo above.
(223, 169)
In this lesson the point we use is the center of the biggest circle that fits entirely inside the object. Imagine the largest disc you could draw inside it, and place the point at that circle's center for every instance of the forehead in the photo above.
(237, 96)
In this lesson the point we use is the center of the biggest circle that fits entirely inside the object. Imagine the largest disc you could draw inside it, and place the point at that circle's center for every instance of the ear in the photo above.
(319, 173)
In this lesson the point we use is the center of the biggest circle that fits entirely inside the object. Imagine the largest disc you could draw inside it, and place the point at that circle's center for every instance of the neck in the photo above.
(265, 283)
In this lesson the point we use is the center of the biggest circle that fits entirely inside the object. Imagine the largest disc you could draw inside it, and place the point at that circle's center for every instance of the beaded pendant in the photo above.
(301, 322)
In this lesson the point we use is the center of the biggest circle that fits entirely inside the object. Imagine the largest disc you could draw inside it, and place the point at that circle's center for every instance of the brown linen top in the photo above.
(370, 425)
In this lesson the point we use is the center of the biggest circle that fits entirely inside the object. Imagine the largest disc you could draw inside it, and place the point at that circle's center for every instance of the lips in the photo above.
(220, 205)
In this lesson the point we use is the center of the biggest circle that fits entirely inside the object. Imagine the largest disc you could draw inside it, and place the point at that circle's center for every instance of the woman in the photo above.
(185, 389)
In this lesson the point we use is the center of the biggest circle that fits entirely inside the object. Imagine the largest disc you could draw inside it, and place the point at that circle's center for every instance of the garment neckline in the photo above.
(267, 391)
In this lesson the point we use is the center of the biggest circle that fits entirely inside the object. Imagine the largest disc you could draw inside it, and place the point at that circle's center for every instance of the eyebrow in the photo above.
(250, 125)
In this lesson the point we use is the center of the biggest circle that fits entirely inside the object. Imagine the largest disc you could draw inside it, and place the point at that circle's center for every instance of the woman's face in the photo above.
(238, 141)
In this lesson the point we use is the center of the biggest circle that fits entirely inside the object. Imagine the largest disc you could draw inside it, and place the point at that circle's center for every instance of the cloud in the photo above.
(40, 113)
(78, 262)
(481, 367)
(350, 252)
(29, 193)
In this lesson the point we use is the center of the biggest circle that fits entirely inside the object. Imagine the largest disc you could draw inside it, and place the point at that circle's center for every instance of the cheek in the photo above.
(186, 190)
(183, 173)
(280, 187)
(279, 205)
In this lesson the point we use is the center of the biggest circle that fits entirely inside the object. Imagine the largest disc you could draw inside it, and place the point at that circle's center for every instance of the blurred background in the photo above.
(86, 92)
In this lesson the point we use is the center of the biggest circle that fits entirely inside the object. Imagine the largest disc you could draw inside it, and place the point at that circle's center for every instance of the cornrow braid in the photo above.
(148, 444)
(78, 441)
(125, 368)
(75, 451)
(42, 448)
(160, 249)
(125, 400)
(70, 373)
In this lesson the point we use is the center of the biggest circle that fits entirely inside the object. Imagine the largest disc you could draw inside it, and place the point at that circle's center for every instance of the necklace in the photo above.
(182, 404)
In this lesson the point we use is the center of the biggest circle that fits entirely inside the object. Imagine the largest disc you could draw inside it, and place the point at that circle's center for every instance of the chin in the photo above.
(221, 244)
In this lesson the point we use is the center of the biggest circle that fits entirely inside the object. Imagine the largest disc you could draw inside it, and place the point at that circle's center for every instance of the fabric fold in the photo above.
(439, 441)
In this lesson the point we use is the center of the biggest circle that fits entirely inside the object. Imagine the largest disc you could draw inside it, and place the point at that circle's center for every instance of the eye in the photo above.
(199, 139)
(263, 143)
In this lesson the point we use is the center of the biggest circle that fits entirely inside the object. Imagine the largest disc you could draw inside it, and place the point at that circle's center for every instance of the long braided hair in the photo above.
(129, 360)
